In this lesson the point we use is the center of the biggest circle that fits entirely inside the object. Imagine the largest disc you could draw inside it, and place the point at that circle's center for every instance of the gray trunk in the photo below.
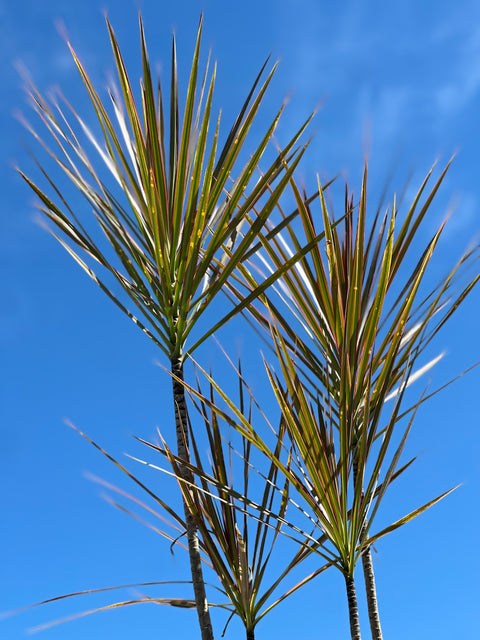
(369, 577)
(192, 534)
(371, 595)
(353, 609)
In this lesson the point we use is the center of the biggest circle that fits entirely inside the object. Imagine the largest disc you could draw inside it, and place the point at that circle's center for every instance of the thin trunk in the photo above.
(192, 534)
(369, 576)
(353, 609)
(251, 634)
(371, 594)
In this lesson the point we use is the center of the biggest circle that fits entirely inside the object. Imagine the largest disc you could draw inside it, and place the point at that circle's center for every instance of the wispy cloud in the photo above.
(463, 81)
(62, 60)
(406, 78)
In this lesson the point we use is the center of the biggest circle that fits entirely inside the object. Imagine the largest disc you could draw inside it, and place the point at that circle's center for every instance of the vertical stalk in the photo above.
(352, 608)
(371, 594)
(369, 577)
(192, 534)
(250, 634)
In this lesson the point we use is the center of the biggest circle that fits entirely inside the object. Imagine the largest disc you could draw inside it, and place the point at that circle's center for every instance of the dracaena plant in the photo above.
(239, 510)
(167, 201)
(164, 518)
(353, 321)
(334, 511)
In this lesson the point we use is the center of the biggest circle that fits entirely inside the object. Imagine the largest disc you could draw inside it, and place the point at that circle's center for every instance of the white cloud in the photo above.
(406, 89)
(463, 85)
(465, 214)
(63, 60)
(389, 110)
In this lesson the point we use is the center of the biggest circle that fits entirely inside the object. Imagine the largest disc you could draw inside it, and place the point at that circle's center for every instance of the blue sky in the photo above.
(398, 81)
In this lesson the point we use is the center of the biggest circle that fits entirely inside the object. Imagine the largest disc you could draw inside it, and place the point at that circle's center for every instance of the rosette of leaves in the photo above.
(166, 194)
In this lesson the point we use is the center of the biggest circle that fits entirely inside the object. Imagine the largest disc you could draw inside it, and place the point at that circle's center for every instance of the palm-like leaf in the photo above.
(238, 530)
(359, 328)
(238, 536)
(172, 527)
(182, 211)
(319, 473)
(315, 470)
(347, 307)
(175, 234)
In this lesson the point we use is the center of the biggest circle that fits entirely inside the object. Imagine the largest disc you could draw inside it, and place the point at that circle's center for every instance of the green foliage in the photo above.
(344, 311)
(357, 358)
(177, 234)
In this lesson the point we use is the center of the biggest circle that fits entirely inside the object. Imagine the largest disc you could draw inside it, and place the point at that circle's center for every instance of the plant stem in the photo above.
(353, 608)
(192, 534)
(371, 594)
(369, 577)
(250, 634)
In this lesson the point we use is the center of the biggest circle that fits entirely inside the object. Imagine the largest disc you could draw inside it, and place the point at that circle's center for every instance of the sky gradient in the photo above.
(397, 82)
